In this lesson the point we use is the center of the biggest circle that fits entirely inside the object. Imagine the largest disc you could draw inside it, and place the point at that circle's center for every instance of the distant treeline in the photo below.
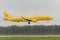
(34, 30)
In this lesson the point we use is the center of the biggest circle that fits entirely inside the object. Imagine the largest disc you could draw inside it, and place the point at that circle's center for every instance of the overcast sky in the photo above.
(18, 8)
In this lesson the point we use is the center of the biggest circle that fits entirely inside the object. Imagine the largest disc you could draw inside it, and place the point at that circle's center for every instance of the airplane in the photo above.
(28, 19)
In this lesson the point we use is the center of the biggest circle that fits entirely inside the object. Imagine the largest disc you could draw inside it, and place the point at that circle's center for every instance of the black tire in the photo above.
(28, 22)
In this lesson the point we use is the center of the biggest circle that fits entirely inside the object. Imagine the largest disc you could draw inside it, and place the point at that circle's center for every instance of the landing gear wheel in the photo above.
(28, 22)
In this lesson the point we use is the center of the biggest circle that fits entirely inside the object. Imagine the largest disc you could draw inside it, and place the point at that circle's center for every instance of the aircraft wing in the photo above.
(26, 19)
(31, 19)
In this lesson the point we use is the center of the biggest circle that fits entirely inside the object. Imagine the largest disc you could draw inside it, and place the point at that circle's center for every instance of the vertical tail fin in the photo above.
(6, 14)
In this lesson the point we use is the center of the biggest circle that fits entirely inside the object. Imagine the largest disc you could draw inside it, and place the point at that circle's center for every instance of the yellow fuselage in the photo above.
(33, 18)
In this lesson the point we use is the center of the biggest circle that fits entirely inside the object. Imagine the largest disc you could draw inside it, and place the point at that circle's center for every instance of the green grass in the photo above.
(29, 38)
